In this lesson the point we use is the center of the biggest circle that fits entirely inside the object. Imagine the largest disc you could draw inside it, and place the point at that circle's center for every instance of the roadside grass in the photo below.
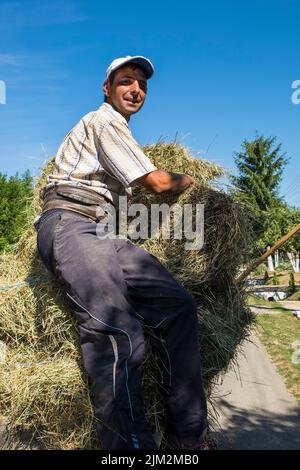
(277, 333)
(253, 300)
(294, 296)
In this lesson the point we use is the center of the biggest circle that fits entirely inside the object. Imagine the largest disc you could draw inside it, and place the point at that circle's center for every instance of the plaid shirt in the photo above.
(100, 152)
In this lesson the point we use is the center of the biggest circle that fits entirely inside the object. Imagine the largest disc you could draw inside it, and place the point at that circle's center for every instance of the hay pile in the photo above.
(42, 387)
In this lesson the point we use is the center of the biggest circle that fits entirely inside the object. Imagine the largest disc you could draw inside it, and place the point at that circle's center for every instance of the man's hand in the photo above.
(183, 182)
(159, 181)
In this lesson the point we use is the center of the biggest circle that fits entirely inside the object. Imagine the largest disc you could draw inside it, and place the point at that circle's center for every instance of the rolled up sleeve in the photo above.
(121, 155)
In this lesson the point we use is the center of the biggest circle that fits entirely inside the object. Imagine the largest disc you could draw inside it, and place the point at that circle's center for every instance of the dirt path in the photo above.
(256, 410)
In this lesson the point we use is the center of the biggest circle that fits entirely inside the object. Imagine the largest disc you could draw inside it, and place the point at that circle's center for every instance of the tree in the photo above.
(260, 165)
(292, 284)
(278, 222)
(15, 195)
(292, 247)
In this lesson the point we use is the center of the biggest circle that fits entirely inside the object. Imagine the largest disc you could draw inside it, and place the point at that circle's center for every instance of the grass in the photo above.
(253, 300)
(294, 296)
(277, 333)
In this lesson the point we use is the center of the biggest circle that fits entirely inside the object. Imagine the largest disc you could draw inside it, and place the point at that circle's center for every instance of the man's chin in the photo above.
(132, 108)
(127, 110)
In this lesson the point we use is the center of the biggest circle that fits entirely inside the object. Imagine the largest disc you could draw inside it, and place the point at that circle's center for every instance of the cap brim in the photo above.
(145, 65)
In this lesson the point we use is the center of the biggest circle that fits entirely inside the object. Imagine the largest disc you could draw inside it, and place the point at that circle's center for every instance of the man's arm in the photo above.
(159, 181)
(122, 157)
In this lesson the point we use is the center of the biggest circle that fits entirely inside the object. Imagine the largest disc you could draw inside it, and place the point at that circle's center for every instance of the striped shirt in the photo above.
(100, 153)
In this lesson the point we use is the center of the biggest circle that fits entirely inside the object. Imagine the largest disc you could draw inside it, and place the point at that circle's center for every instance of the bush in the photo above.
(260, 270)
(16, 195)
(292, 285)
(283, 266)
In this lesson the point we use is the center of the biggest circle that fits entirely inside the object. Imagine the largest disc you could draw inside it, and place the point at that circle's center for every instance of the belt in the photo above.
(85, 201)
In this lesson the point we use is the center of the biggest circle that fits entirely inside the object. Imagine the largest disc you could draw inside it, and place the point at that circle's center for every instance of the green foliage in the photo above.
(275, 280)
(260, 270)
(260, 168)
(275, 223)
(283, 266)
(292, 218)
(15, 195)
(292, 285)
(261, 164)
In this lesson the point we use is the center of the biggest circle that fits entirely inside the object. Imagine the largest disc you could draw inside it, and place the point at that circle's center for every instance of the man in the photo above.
(115, 289)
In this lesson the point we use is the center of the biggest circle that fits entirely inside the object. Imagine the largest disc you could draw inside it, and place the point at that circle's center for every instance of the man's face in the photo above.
(128, 91)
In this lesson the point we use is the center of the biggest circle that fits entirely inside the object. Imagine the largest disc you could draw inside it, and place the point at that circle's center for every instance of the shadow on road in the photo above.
(251, 430)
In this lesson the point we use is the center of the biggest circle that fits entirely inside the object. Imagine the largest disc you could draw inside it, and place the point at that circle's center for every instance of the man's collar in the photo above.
(110, 108)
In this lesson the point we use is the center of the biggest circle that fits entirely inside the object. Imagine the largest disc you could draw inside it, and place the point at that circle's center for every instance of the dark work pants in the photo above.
(117, 290)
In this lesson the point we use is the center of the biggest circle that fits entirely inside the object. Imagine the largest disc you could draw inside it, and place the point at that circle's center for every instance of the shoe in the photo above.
(205, 442)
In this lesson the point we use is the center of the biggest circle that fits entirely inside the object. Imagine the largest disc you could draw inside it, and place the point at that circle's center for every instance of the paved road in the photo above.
(293, 306)
(290, 304)
(256, 410)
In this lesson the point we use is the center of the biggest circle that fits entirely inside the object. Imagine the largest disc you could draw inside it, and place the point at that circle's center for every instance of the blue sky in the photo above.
(224, 70)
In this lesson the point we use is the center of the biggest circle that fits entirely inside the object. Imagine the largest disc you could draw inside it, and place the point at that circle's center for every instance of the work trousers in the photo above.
(117, 292)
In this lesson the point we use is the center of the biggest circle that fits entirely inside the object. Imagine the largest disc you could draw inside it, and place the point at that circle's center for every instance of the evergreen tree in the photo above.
(292, 284)
(260, 165)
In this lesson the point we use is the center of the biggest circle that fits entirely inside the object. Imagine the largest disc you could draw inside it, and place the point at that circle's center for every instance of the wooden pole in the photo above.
(273, 248)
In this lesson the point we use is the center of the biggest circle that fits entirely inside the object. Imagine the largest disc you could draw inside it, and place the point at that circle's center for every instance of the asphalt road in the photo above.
(255, 409)
(293, 305)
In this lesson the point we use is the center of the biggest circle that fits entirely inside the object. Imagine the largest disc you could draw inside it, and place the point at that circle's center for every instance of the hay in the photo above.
(42, 384)
(63, 413)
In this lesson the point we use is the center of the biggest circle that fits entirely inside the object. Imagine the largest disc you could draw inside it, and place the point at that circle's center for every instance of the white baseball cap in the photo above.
(143, 62)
